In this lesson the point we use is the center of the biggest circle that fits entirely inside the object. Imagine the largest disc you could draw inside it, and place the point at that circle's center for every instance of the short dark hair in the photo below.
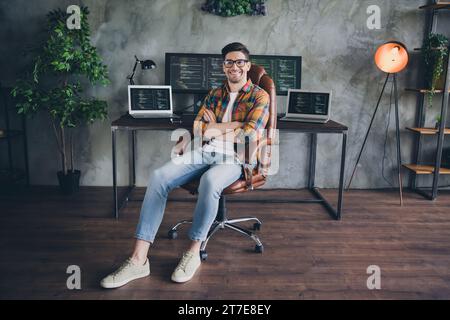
(235, 46)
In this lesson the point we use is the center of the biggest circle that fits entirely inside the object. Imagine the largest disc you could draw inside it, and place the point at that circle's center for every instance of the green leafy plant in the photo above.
(438, 122)
(435, 51)
(230, 8)
(64, 61)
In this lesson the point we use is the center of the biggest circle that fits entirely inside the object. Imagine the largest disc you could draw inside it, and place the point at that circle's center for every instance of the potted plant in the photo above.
(438, 122)
(53, 85)
(435, 53)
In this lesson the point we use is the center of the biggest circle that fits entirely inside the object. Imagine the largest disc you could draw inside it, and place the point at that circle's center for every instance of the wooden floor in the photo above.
(307, 255)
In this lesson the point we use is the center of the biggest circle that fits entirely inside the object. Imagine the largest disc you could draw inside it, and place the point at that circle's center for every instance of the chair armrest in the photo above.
(180, 140)
(248, 173)
(176, 144)
(264, 150)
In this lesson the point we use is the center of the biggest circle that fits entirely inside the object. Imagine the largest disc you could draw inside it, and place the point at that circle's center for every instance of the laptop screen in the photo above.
(149, 99)
(309, 103)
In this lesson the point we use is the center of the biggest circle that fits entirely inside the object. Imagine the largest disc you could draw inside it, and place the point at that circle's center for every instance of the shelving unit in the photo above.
(10, 136)
(417, 168)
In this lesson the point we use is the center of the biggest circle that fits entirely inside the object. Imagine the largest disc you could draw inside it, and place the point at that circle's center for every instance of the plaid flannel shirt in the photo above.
(251, 107)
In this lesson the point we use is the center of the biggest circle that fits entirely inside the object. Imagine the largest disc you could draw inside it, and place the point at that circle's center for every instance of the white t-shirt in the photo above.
(222, 146)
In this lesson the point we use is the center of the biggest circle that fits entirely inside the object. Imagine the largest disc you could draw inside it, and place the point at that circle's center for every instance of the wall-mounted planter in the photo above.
(231, 8)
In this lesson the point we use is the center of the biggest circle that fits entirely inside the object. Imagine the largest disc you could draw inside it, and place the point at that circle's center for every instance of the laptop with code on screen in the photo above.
(308, 106)
(149, 101)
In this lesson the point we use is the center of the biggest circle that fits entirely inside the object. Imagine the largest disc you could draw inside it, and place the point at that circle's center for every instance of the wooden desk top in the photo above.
(126, 122)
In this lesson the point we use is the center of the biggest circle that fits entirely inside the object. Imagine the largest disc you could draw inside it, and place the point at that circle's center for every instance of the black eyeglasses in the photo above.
(240, 63)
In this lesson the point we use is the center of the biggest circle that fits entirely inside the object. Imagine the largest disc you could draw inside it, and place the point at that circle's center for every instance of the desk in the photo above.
(130, 124)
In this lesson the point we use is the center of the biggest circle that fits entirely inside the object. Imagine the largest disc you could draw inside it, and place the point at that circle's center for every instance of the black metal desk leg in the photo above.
(342, 174)
(335, 213)
(312, 161)
(116, 210)
(133, 146)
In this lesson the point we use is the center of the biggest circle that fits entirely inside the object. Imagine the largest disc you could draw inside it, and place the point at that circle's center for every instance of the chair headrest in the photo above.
(256, 73)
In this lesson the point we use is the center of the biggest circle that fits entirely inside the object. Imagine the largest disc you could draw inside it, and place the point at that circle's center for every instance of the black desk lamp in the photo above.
(145, 65)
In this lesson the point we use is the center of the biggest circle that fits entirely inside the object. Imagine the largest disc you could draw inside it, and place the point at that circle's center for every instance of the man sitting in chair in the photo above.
(238, 107)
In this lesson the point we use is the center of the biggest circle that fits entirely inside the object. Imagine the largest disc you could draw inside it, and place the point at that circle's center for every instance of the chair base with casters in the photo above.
(222, 222)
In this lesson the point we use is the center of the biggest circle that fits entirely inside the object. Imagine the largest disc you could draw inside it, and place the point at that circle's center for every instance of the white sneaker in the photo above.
(187, 267)
(125, 273)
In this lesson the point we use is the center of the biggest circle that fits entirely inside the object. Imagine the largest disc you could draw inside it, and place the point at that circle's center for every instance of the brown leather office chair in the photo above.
(249, 179)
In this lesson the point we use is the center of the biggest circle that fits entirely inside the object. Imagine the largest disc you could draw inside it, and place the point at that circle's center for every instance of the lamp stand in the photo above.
(397, 129)
(134, 71)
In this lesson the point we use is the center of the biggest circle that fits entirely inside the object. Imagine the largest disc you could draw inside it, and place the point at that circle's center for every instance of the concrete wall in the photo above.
(331, 36)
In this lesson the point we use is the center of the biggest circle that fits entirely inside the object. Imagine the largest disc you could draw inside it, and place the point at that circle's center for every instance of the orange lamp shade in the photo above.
(392, 57)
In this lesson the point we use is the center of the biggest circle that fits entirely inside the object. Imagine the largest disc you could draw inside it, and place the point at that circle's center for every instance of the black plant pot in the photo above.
(69, 183)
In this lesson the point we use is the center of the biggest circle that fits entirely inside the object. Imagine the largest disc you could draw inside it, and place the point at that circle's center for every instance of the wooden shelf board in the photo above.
(433, 49)
(11, 134)
(423, 169)
(424, 90)
(11, 176)
(438, 5)
(427, 131)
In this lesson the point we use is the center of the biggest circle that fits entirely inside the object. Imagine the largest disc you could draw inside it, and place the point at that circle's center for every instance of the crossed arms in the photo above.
(206, 126)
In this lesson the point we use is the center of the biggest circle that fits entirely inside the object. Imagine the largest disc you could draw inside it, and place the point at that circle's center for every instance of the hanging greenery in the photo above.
(230, 8)
(435, 51)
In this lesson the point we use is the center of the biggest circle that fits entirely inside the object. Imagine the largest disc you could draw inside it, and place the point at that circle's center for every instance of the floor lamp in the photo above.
(391, 58)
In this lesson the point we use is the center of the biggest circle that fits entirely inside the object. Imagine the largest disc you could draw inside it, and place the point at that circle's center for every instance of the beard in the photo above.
(235, 80)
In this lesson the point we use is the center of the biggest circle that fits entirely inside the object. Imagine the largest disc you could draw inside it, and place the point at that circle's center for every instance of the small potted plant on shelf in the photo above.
(435, 54)
(438, 122)
(53, 85)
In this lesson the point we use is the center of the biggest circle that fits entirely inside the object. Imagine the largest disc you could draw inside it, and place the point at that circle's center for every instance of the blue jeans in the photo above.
(215, 176)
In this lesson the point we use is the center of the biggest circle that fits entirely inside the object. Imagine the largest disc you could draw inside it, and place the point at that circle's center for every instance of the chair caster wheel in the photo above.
(259, 248)
(203, 255)
(257, 226)
(173, 234)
